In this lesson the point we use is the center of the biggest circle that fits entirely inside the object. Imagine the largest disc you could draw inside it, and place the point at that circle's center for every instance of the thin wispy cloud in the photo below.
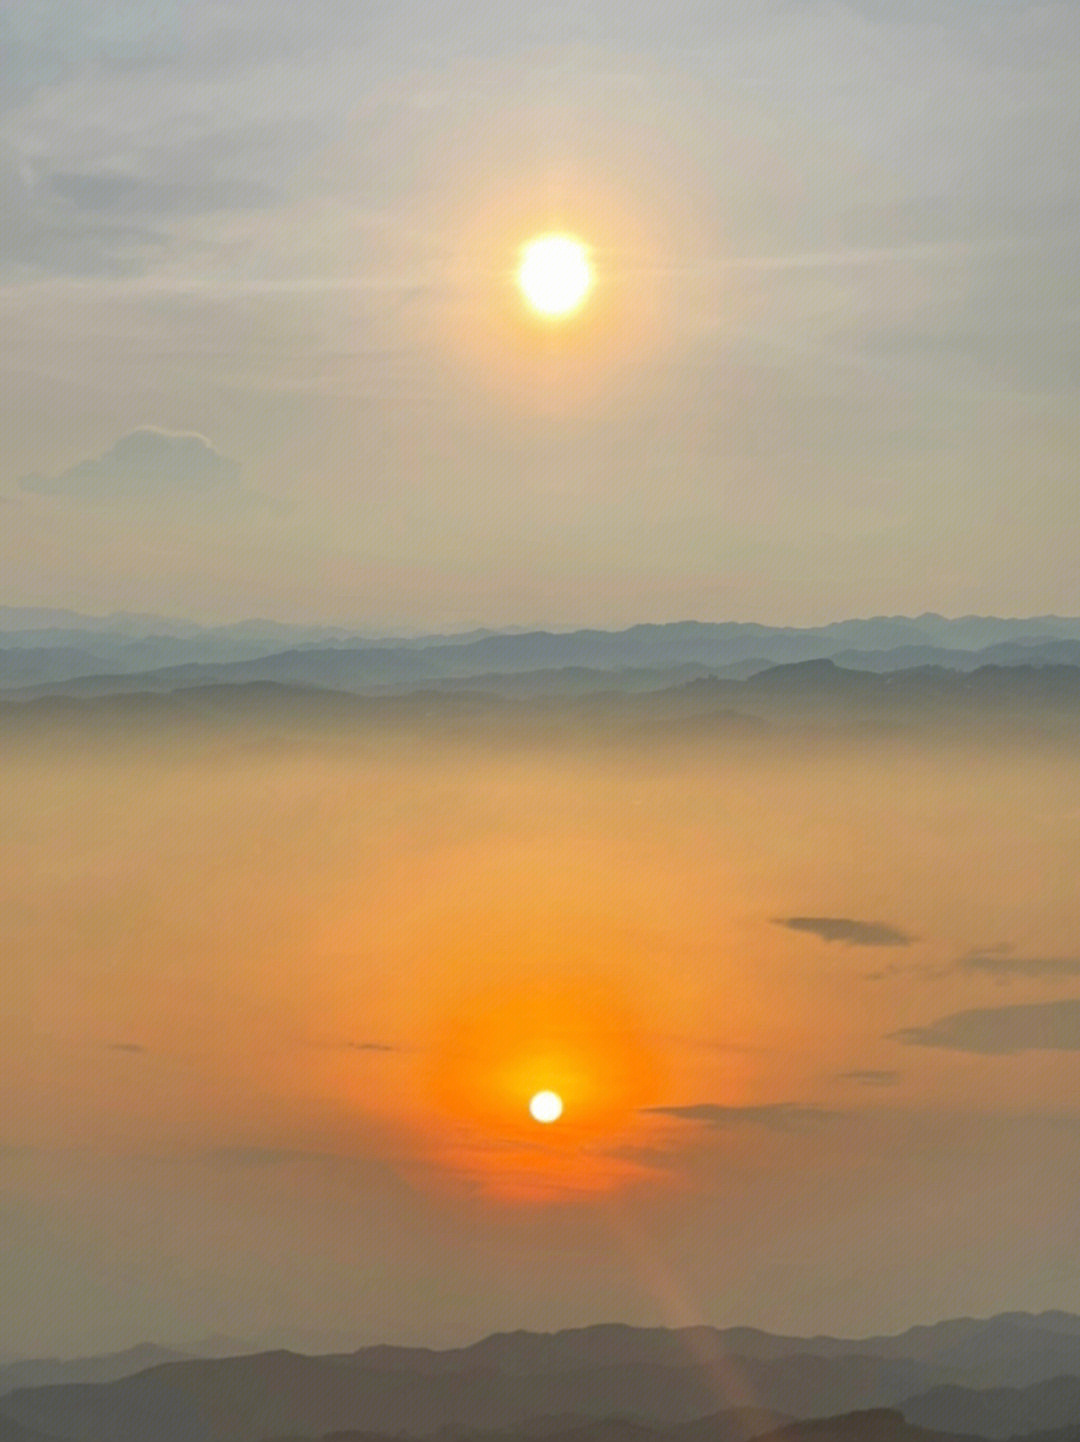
(774, 1116)
(1001, 965)
(925, 970)
(870, 1078)
(856, 256)
(255, 1156)
(848, 930)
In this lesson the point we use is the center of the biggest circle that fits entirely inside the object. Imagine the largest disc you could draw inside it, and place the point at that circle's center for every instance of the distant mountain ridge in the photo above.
(34, 652)
(1009, 1333)
(585, 1380)
(809, 702)
(107, 1367)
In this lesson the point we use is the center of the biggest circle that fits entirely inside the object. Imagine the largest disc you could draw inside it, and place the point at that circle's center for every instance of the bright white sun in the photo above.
(546, 1107)
(555, 274)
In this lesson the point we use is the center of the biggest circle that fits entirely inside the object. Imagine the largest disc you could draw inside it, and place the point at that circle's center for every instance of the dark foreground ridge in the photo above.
(880, 1424)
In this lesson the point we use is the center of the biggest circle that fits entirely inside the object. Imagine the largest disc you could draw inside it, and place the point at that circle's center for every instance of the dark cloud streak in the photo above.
(1004, 967)
(870, 1078)
(847, 929)
(1000, 1031)
(775, 1116)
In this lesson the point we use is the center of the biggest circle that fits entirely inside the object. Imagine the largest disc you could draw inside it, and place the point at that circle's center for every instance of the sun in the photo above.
(555, 275)
(546, 1107)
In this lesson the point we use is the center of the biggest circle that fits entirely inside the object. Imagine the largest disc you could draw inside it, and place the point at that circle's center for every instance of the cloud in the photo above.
(39, 231)
(256, 1159)
(129, 1046)
(1002, 966)
(870, 1078)
(1001, 1031)
(370, 1046)
(776, 1116)
(256, 1156)
(847, 930)
(117, 194)
(144, 465)
(923, 969)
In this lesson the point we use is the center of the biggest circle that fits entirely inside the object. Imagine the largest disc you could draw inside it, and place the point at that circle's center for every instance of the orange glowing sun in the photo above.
(562, 1056)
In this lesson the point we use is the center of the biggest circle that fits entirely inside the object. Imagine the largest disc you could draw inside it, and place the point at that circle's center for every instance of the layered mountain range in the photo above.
(43, 652)
(1016, 1375)
(651, 685)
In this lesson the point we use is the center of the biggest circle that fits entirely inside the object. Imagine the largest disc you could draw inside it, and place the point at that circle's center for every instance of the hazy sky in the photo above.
(829, 367)
(277, 1002)
(277, 1006)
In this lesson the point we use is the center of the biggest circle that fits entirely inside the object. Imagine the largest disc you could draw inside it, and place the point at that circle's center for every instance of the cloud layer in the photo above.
(1001, 1031)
